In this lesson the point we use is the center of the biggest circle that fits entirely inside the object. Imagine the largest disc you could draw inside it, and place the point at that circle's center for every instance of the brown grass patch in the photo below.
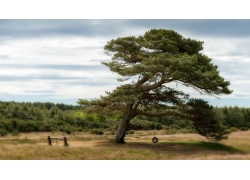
(83, 146)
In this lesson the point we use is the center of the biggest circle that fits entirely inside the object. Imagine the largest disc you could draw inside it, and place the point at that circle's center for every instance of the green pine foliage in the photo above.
(150, 62)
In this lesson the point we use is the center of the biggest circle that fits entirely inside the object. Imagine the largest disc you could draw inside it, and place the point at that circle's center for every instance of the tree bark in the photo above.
(120, 134)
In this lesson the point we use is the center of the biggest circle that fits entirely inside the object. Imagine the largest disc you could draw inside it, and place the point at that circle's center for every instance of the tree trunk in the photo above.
(120, 134)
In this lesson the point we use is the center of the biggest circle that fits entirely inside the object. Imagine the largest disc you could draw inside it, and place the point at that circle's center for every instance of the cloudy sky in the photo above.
(59, 60)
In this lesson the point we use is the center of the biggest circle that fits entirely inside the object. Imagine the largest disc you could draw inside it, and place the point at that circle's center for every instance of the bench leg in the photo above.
(65, 141)
(49, 141)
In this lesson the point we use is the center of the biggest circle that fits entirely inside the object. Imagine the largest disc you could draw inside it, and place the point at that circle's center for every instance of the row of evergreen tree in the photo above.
(233, 116)
(47, 117)
(33, 111)
(228, 116)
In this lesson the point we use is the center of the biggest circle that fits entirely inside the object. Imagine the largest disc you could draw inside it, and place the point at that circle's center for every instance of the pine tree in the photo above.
(149, 63)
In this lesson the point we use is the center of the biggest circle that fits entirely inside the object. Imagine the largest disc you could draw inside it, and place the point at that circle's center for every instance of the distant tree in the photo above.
(234, 116)
(151, 62)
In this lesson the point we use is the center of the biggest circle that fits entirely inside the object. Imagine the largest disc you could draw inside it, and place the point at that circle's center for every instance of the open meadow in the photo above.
(85, 146)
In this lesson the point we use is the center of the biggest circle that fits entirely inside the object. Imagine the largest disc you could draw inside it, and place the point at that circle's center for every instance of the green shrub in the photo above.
(247, 124)
(28, 126)
(108, 132)
(244, 128)
(68, 131)
(130, 132)
(15, 133)
(97, 131)
(113, 132)
(175, 126)
(45, 128)
(3, 132)
(137, 124)
(164, 127)
(79, 129)
(233, 129)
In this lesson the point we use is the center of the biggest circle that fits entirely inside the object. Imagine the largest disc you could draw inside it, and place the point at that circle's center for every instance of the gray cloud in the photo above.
(63, 67)
(233, 67)
(50, 27)
(4, 57)
(40, 91)
(4, 78)
(43, 97)
(21, 57)
(109, 27)
(99, 60)
(72, 67)
(215, 27)
(72, 81)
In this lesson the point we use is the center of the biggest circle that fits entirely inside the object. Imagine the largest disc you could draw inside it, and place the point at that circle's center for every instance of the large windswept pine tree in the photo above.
(151, 62)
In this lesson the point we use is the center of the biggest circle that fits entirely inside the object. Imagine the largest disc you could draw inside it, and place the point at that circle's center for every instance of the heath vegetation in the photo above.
(88, 146)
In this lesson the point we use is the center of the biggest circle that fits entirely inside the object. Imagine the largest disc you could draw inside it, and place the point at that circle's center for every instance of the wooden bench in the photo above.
(63, 138)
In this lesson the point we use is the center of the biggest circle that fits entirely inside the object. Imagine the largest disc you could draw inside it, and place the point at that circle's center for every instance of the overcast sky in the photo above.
(59, 60)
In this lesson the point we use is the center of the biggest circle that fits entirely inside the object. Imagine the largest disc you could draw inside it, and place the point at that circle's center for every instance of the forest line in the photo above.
(49, 117)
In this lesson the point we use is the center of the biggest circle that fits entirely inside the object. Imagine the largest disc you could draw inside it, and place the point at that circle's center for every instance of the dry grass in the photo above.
(84, 146)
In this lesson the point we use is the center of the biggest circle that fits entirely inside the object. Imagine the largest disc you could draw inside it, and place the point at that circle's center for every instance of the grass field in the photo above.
(84, 146)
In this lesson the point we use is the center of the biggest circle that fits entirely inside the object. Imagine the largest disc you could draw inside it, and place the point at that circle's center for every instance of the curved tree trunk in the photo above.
(120, 134)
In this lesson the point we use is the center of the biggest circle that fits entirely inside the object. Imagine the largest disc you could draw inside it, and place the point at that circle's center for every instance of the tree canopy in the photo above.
(149, 63)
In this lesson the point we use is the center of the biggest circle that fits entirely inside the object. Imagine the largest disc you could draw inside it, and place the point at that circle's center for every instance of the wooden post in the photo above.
(65, 141)
(49, 140)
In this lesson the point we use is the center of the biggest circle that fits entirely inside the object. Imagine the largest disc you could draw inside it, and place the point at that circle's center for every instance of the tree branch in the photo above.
(153, 86)
(156, 85)
(140, 82)
(136, 105)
